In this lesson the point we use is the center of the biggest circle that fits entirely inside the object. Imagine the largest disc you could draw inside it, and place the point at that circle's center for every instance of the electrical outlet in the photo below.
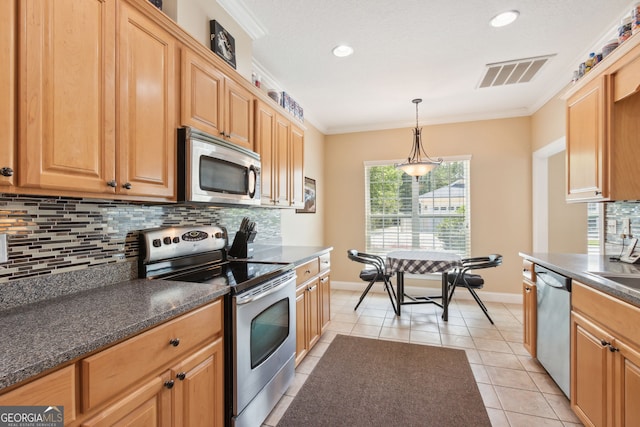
(611, 226)
(4, 253)
(626, 226)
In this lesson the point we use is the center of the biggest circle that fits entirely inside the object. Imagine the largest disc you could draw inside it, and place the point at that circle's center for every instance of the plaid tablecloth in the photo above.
(421, 262)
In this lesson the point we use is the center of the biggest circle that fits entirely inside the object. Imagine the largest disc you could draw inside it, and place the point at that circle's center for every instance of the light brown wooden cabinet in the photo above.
(281, 147)
(215, 103)
(170, 375)
(96, 101)
(529, 308)
(603, 133)
(57, 388)
(313, 306)
(8, 105)
(147, 134)
(605, 358)
(67, 95)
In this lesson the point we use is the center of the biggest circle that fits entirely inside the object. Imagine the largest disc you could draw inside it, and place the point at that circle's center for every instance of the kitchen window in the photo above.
(431, 213)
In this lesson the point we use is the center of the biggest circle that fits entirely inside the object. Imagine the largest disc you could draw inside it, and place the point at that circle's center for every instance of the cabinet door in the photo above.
(147, 129)
(591, 370)
(67, 95)
(148, 405)
(297, 167)
(282, 134)
(8, 45)
(264, 140)
(57, 388)
(627, 385)
(325, 301)
(302, 343)
(314, 312)
(586, 149)
(202, 94)
(238, 115)
(530, 310)
(199, 391)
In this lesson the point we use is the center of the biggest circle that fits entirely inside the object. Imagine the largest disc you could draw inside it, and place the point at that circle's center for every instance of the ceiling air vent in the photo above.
(510, 72)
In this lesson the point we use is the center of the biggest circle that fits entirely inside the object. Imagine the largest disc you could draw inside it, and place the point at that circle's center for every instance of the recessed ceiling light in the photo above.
(342, 50)
(504, 18)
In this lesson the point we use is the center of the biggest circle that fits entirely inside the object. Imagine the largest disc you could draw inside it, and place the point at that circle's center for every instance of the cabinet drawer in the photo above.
(114, 369)
(325, 261)
(618, 316)
(55, 389)
(307, 270)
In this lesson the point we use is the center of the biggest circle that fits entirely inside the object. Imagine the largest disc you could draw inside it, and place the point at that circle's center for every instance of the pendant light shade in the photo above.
(418, 163)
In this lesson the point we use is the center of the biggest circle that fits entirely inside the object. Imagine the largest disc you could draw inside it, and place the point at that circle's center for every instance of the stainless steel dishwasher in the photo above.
(554, 311)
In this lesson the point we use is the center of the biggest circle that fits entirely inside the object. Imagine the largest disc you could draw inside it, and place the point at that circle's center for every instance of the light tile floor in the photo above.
(516, 390)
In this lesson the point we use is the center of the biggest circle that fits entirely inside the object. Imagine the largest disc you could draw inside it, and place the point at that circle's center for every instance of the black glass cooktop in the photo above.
(240, 275)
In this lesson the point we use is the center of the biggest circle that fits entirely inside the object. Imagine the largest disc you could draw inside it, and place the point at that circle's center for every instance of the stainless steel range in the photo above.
(260, 337)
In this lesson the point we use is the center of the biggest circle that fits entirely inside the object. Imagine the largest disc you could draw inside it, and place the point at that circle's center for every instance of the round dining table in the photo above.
(422, 262)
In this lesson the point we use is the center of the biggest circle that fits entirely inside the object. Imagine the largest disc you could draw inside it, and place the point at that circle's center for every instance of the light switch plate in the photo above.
(611, 226)
(626, 226)
(4, 252)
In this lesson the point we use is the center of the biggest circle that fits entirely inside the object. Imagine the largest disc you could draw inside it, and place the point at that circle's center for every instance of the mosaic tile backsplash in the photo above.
(617, 212)
(49, 235)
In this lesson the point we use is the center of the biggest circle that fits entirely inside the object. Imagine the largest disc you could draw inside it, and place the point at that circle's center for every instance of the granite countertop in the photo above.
(580, 267)
(43, 335)
(288, 254)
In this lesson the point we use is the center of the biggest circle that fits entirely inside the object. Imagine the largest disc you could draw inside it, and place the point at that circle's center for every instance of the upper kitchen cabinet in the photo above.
(66, 95)
(8, 46)
(264, 145)
(147, 83)
(215, 103)
(603, 140)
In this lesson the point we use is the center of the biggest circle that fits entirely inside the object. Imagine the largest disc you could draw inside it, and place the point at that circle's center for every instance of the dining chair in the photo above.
(460, 277)
(375, 272)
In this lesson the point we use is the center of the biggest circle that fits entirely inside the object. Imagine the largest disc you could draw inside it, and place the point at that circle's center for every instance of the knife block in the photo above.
(242, 246)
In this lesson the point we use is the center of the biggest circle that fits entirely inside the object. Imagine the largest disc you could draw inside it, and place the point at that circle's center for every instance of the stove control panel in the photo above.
(164, 243)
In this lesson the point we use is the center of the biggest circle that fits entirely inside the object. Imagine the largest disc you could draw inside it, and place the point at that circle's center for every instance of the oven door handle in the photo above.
(247, 300)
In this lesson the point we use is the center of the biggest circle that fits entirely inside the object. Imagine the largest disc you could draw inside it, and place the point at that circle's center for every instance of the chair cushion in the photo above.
(472, 280)
(369, 274)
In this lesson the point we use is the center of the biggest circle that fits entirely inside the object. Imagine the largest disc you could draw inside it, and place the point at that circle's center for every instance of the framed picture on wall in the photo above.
(223, 43)
(309, 196)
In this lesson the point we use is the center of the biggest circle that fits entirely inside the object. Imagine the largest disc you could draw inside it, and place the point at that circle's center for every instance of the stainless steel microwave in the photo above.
(214, 171)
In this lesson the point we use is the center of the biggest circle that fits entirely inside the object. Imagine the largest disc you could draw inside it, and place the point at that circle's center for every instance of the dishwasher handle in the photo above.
(553, 279)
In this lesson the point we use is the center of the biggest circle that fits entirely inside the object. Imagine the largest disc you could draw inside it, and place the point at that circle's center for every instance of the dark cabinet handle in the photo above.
(169, 384)
(174, 342)
(613, 349)
(604, 343)
(181, 376)
(126, 185)
(6, 171)
(112, 183)
(598, 193)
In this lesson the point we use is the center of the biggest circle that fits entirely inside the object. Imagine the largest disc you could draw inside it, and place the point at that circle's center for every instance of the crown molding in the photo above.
(244, 17)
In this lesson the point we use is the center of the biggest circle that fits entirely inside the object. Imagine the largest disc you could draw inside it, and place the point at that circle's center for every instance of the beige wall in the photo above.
(548, 123)
(307, 229)
(194, 16)
(500, 189)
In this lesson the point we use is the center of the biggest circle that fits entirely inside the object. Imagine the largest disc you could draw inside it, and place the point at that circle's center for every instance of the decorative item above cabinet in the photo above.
(603, 130)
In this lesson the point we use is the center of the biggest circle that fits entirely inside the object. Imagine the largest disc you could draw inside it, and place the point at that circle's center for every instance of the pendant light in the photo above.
(418, 163)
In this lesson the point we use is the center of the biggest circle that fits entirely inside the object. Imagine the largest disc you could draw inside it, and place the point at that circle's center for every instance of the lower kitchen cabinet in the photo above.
(529, 308)
(170, 375)
(57, 388)
(313, 305)
(605, 359)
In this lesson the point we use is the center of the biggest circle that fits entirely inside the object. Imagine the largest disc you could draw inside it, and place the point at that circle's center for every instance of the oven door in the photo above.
(264, 328)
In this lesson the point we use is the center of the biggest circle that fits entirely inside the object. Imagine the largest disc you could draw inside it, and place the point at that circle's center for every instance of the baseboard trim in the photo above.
(503, 297)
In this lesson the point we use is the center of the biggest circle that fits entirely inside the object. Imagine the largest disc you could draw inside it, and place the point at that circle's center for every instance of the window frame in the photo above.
(416, 211)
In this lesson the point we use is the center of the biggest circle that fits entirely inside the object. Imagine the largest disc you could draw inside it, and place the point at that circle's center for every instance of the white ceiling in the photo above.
(430, 49)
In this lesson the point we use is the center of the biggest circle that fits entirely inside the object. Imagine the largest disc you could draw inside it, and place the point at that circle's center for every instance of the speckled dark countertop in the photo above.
(45, 334)
(288, 254)
(579, 266)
